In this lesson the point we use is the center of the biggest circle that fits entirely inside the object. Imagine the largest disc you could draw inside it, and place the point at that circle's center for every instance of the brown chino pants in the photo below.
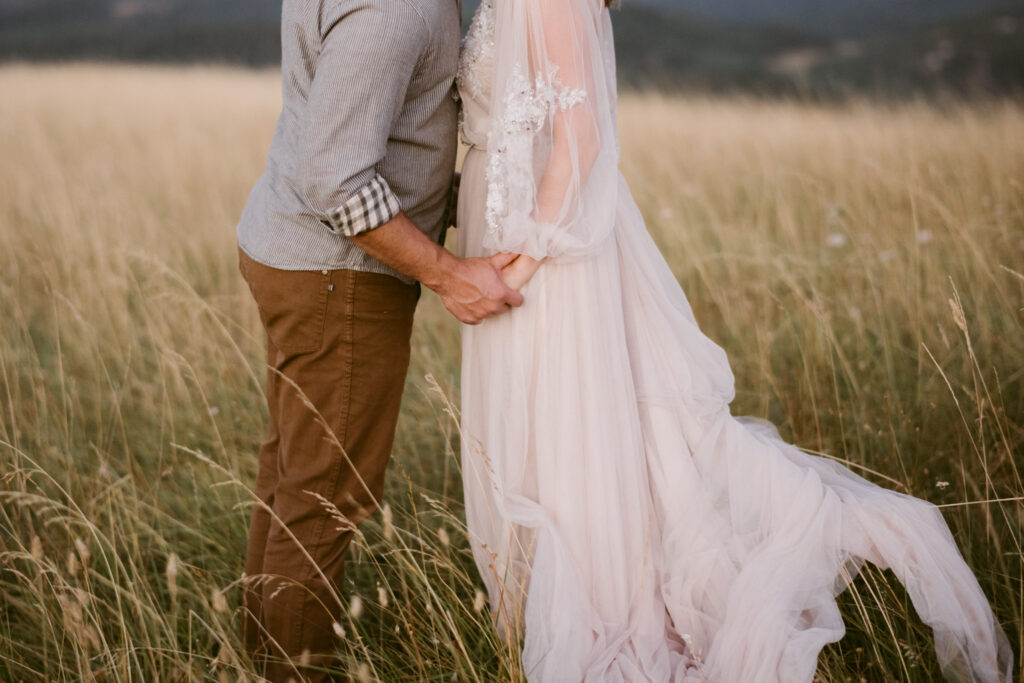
(339, 339)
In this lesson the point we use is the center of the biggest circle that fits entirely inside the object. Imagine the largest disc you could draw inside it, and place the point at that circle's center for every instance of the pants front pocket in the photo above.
(292, 303)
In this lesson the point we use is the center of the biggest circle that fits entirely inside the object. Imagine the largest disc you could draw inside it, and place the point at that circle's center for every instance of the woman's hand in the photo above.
(519, 272)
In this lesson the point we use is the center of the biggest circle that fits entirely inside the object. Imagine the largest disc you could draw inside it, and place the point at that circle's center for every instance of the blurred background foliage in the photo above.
(890, 49)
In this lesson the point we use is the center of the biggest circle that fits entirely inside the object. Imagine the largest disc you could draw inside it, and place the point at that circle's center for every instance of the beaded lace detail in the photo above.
(527, 106)
(477, 53)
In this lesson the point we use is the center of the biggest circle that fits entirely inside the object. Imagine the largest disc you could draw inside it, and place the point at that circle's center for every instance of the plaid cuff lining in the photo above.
(372, 205)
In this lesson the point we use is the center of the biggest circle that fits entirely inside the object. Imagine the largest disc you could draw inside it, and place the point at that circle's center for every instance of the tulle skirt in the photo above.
(632, 529)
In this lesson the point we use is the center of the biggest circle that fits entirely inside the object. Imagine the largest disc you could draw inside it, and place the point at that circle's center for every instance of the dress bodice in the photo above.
(475, 76)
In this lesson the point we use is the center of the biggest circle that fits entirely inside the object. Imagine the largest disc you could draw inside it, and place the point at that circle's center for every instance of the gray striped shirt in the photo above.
(368, 127)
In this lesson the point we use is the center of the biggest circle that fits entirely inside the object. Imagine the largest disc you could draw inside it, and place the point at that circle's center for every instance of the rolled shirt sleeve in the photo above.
(367, 60)
(371, 206)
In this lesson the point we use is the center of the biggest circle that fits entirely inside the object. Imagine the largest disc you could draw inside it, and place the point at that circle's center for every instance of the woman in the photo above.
(618, 513)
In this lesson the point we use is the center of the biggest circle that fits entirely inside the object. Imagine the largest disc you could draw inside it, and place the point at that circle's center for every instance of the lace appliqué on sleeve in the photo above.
(510, 174)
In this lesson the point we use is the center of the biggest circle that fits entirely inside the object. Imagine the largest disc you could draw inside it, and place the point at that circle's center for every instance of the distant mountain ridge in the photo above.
(834, 18)
(837, 18)
(785, 47)
(26, 13)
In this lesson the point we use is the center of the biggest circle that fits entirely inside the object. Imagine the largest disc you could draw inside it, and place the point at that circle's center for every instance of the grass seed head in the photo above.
(83, 551)
(355, 607)
(389, 522)
(37, 549)
(218, 601)
(172, 576)
(958, 315)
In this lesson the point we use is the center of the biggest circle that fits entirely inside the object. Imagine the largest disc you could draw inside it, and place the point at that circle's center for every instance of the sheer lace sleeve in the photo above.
(552, 171)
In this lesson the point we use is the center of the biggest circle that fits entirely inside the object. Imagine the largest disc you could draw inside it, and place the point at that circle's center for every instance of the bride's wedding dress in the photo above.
(619, 514)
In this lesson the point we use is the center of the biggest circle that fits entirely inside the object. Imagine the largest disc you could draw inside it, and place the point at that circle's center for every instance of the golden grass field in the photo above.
(863, 265)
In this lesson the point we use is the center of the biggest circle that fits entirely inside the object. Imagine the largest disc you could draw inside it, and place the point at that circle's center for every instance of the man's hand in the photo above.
(473, 288)
(519, 271)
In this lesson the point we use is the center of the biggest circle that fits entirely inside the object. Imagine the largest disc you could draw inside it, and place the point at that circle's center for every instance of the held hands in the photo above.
(472, 289)
(475, 288)
(478, 288)
(517, 273)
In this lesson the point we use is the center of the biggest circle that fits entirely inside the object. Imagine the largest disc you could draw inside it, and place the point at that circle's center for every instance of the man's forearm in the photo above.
(471, 289)
(401, 245)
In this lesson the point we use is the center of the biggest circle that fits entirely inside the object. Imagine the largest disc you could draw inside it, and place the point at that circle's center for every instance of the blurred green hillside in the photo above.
(955, 48)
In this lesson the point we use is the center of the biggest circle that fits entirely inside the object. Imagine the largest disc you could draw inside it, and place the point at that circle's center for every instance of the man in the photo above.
(336, 237)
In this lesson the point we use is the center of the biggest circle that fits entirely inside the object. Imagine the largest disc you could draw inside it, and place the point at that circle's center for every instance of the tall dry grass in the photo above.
(863, 266)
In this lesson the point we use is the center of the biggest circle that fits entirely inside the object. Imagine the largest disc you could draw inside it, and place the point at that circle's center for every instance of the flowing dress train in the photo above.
(620, 516)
